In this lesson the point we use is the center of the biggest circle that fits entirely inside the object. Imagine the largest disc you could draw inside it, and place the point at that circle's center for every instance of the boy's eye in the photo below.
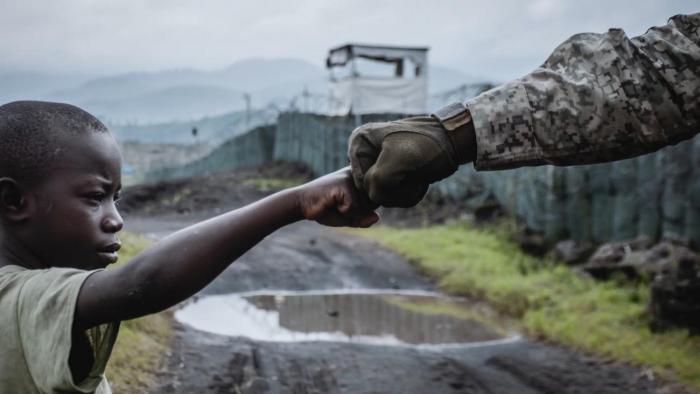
(96, 197)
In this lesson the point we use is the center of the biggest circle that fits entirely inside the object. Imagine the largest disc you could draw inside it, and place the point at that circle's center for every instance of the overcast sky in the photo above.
(495, 39)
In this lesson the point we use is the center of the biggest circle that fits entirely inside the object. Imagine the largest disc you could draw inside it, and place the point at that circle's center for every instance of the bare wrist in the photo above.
(295, 198)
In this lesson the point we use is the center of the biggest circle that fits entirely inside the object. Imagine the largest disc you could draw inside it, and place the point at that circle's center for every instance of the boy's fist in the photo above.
(333, 200)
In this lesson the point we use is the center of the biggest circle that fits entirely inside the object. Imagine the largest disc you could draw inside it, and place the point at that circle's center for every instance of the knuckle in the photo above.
(376, 177)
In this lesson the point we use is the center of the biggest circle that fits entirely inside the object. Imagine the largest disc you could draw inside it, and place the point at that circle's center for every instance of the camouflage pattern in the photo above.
(598, 97)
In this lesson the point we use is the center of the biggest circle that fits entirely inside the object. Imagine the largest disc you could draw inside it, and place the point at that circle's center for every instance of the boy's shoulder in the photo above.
(10, 272)
(34, 294)
(18, 272)
(14, 277)
(36, 318)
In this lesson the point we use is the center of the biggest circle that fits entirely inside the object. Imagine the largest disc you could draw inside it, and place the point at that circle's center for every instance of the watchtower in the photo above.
(371, 79)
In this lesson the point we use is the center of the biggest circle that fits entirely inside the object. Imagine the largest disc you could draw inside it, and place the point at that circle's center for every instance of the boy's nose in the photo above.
(112, 223)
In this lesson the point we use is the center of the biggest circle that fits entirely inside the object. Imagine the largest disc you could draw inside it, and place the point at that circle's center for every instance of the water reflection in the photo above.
(369, 318)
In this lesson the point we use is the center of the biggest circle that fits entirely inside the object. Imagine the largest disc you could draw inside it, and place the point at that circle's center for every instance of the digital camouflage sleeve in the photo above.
(599, 97)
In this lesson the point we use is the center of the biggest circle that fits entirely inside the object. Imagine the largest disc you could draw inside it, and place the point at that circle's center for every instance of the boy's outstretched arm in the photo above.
(183, 263)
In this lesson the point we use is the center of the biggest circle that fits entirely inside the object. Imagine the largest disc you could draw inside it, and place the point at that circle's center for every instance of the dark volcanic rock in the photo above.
(636, 258)
(572, 251)
(531, 243)
(675, 272)
(675, 295)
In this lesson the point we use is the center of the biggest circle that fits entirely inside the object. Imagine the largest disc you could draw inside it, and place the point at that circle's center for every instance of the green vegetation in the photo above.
(273, 184)
(551, 301)
(182, 194)
(142, 342)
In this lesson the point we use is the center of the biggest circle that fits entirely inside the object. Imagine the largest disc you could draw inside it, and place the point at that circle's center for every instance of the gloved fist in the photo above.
(395, 162)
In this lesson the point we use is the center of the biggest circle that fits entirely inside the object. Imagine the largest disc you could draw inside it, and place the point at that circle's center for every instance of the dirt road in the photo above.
(308, 257)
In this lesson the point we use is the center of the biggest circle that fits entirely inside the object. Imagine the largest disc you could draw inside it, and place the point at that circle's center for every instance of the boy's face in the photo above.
(75, 221)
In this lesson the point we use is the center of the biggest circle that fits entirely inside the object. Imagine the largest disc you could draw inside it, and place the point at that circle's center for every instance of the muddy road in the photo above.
(324, 312)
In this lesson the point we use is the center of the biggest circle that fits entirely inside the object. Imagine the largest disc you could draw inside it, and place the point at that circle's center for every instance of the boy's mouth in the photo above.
(109, 253)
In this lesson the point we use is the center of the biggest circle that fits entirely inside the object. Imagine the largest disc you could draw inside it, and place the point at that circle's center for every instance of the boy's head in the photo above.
(60, 175)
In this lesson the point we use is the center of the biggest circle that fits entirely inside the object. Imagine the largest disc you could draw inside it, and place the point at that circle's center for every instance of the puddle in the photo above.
(404, 318)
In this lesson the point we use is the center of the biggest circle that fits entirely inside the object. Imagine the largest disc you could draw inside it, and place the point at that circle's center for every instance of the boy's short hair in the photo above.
(30, 133)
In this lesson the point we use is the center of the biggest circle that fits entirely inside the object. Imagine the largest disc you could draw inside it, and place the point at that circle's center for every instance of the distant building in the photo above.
(369, 79)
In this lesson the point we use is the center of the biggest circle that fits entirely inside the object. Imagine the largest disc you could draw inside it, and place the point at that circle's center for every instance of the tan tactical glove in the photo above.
(395, 162)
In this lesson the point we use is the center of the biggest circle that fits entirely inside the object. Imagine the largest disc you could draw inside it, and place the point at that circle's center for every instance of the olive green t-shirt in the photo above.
(36, 319)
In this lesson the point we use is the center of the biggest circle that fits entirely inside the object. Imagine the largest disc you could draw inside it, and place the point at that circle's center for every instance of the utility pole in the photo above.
(247, 98)
(305, 94)
(355, 74)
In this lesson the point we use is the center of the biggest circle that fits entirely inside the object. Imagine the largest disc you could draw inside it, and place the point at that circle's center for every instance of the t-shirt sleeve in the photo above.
(45, 311)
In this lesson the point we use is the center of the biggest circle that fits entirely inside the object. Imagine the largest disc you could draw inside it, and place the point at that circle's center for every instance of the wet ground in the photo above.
(399, 318)
(313, 310)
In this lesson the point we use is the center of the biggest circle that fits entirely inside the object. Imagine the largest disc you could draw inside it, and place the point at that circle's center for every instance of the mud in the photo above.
(208, 363)
(305, 257)
(212, 194)
(206, 195)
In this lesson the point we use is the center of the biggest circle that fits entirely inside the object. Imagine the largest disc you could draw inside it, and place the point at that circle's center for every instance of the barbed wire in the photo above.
(323, 103)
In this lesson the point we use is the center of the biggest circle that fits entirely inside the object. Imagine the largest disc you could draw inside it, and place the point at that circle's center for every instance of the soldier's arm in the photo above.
(599, 97)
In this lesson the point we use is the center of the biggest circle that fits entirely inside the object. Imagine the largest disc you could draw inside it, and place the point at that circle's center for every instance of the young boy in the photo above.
(59, 311)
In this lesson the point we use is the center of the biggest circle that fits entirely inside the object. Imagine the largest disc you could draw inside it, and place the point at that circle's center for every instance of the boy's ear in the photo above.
(13, 201)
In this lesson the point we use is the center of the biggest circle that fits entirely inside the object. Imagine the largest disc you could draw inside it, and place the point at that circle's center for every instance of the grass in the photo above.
(550, 300)
(142, 342)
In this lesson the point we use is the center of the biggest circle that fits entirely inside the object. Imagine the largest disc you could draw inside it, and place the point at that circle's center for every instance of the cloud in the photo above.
(545, 9)
(498, 39)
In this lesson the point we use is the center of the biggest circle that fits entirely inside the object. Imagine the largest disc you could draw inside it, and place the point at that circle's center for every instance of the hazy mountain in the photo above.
(188, 94)
(441, 78)
(180, 102)
(260, 74)
(211, 130)
(27, 85)
(245, 75)
(185, 94)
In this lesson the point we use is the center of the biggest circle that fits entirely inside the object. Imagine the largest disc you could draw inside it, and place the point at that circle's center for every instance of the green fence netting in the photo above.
(250, 149)
(656, 195)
